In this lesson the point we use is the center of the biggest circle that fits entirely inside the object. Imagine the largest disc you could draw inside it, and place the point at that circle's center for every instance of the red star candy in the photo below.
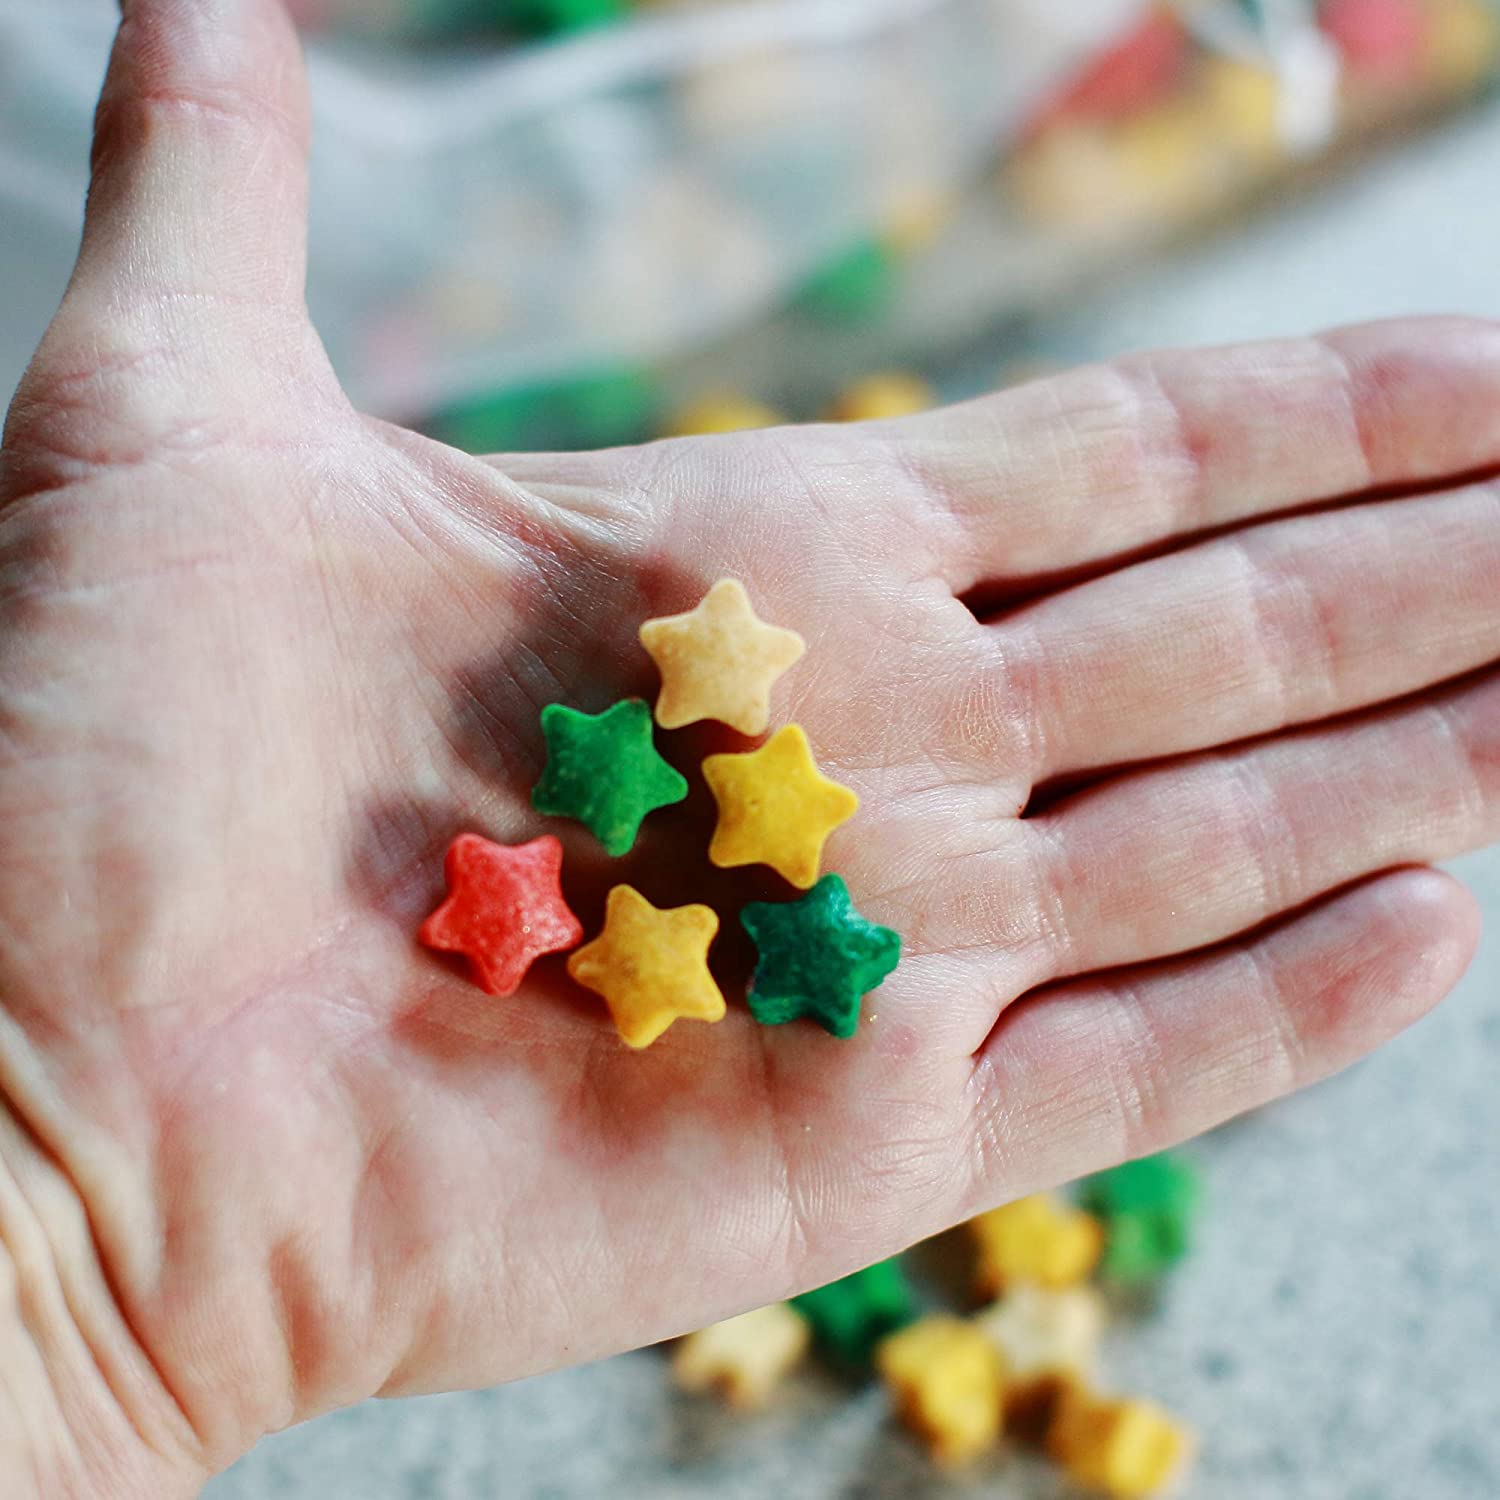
(505, 908)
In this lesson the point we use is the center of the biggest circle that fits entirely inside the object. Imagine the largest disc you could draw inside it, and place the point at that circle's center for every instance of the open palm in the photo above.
(261, 658)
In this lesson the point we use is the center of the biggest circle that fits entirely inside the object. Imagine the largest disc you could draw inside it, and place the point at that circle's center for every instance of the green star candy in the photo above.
(604, 770)
(1147, 1207)
(817, 958)
(849, 1317)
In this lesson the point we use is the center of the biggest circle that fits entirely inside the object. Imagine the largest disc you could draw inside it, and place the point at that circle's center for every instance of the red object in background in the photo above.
(1379, 39)
(1133, 74)
(505, 908)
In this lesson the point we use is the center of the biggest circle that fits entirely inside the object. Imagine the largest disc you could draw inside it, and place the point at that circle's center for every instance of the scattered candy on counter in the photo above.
(1038, 1239)
(504, 910)
(776, 807)
(817, 957)
(1022, 1368)
(743, 1359)
(651, 966)
(947, 1383)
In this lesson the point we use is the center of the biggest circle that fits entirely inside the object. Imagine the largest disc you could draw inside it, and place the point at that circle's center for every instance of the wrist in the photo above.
(82, 1414)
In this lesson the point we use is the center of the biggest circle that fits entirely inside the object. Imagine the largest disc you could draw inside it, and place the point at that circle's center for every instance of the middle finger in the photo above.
(1277, 625)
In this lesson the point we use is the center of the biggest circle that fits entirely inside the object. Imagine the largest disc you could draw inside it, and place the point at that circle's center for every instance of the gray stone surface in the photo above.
(1337, 1334)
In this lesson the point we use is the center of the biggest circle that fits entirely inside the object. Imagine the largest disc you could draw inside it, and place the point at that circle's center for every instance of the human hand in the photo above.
(1149, 829)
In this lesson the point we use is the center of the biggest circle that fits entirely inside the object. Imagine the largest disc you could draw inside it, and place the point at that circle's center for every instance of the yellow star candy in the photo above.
(948, 1383)
(744, 1358)
(718, 661)
(775, 808)
(1125, 1449)
(650, 965)
(1038, 1239)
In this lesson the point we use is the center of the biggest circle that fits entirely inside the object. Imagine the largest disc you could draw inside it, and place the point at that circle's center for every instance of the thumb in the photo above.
(199, 184)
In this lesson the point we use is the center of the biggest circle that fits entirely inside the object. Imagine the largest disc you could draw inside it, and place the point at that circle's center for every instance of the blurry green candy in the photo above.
(551, 17)
(592, 411)
(858, 286)
(849, 1317)
(1147, 1209)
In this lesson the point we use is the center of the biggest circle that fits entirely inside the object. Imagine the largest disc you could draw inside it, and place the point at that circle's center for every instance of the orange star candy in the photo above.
(650, 965)
(504, 909)
(719, 661)
(776, 808)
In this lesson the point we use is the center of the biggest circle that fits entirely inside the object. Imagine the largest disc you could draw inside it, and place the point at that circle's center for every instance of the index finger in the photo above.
(1112, 460)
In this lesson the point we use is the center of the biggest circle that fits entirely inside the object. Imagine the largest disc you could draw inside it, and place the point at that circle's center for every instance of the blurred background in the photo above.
(560, 223)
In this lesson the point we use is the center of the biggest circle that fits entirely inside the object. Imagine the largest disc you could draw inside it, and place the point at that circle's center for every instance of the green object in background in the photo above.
(553, 17)
(1147, 1209)
(858, 286)
(850, 1317)
(612, 407)
(498, 423)
(592, 411)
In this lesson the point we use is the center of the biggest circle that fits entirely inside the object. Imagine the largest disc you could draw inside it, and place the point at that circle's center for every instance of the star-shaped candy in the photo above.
(775, 807)
(746, 1357)
(504, 909)
(650, 965)
(604, 770)
(948, 1382)
(718, 661)
(818, 958)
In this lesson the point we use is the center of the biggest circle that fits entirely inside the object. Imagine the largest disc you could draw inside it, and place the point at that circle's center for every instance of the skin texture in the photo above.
(1232, 653)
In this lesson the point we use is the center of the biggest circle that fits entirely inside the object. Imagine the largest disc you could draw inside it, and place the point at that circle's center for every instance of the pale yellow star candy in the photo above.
(719, 661)
(744, 1359)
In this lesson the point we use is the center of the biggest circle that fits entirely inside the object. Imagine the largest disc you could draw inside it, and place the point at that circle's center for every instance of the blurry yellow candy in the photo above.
(1124, 1449)
(775, 808)
(916, 218)
(722, 411)
(1167, 164)
(650, 965)
(1151, 170)
(1241, 106)
(1068, 178)
(744, 1359)
(1038, 1239)
(719, 661)
(1463, 43)
(880, 397)
(1043, 1334)
(948, 1384)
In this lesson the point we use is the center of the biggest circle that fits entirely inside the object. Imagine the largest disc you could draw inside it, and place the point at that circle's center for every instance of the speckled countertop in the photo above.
(1336, 1335)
